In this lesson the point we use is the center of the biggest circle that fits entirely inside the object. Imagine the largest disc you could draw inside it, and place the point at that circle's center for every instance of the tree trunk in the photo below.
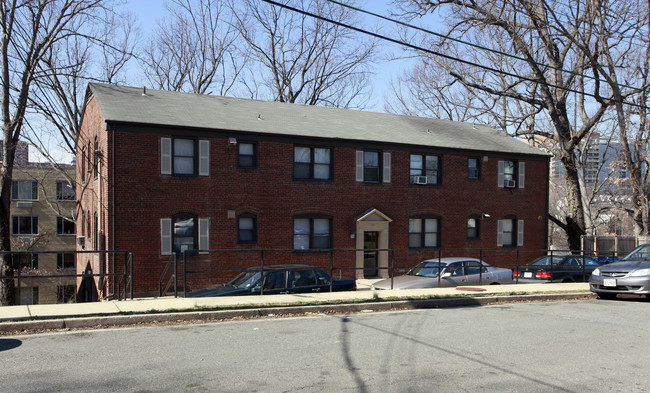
(575, 219)
(7, 287)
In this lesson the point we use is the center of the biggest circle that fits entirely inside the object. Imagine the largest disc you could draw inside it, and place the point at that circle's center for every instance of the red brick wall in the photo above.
(93, 194)
(143, 196)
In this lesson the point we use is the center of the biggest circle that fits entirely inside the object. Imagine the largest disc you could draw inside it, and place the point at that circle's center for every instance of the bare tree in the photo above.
(59, 96)
(621, 56)
(117, 43)
(428, 90)
(29, 30)
(302, 59)
(57, 99)
(194, 50)
(539, 80)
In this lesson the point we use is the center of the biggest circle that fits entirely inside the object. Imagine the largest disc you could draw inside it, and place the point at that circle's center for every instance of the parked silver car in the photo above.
(630, 275)
(447, 272)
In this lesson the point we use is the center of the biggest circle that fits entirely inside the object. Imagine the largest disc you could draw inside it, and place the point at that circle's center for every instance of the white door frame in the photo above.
(372, 221)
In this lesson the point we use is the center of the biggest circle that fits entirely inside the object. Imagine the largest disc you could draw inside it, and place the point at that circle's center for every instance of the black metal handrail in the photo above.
(123, 280)
(171, 264)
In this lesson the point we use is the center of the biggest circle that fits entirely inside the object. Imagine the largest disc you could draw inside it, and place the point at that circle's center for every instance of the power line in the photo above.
(530, 61)
(448, 57)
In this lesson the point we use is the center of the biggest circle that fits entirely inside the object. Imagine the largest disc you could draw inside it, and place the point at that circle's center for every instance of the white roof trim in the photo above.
(371, 212)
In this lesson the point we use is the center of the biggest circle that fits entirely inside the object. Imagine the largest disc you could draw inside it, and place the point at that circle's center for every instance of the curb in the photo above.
(122, 320)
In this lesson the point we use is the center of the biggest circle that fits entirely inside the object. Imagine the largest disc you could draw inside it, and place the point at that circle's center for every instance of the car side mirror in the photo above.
(445, 275)
(256, 289)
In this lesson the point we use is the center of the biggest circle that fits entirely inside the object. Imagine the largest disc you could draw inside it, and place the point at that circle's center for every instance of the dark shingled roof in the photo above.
(120, 104)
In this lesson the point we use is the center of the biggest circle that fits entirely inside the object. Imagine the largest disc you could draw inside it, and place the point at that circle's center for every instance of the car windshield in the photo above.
(427, 269)
(245, 280)
(641, 253)
(546, 261)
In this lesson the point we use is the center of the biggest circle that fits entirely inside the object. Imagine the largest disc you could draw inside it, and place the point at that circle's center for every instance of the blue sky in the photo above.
(149, 12)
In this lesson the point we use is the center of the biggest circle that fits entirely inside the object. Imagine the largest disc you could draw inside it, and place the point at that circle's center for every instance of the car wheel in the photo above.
(607, 296)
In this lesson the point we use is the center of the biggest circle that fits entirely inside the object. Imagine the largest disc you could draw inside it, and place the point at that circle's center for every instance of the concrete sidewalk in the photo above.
(13, 318)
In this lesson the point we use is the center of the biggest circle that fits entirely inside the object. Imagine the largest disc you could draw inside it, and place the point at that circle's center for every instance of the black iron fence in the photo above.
(94, 275)
(73, 276)
(197, 270)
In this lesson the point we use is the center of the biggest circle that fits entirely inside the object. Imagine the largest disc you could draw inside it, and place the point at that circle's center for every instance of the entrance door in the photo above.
(370, 254)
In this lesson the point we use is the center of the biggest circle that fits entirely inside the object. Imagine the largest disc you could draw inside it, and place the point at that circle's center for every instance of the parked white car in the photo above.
(630, 275)
(447, 272)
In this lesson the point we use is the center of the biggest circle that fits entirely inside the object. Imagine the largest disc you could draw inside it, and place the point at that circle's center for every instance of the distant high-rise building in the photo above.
(22, 153)
(601, 159)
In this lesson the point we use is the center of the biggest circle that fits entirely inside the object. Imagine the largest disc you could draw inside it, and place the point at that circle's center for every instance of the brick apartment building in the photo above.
(160, 172)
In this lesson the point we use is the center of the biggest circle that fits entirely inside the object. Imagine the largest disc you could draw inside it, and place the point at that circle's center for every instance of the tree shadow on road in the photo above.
(9, 343)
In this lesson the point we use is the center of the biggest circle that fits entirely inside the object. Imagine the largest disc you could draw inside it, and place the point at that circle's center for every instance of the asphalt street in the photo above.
(569, 346)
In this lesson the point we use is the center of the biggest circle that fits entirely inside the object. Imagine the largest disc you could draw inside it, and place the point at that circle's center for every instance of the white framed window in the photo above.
(183, 154)
(510, 232)
(424, 232)
(65, 261)
(247, 228)
(474, 168)
(65, 191)
(247, 155)
(473, 227)
(184, 157)
(373, 166)
(65, 226)
(27, 261)
(184, 232)
(66, 293)
(29, 295)
(425, 166)
(24, 190)
(313, 163)
(312, 232)
(512, 174)
(24, 225)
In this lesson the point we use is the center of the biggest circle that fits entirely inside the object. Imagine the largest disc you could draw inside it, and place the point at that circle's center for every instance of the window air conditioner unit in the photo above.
(81, 241)
(420, 179)
(511, 184)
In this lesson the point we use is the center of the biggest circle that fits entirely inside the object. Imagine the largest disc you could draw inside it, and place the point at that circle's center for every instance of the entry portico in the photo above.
(372, 231)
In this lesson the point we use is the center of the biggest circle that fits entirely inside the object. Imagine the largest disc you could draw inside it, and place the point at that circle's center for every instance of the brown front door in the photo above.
(370, 254)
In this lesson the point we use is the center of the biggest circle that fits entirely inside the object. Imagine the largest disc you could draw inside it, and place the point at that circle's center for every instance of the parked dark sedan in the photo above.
(630, 275)
(278, 279)
(557, 268)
